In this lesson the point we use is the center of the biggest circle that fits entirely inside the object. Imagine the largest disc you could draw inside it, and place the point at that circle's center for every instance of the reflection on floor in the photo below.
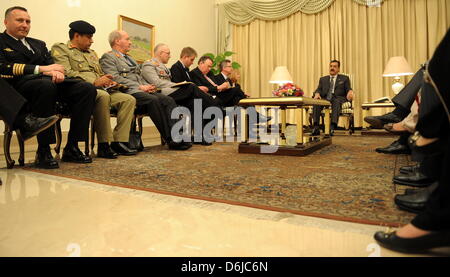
(43, 215)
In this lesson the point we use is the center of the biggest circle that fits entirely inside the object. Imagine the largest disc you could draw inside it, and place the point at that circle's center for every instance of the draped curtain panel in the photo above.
(362, 37)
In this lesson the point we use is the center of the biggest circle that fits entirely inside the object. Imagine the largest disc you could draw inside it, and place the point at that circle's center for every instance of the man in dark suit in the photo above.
(335, 88)
(180, 70)
(44, 89)
(205, 80)
(224, 76)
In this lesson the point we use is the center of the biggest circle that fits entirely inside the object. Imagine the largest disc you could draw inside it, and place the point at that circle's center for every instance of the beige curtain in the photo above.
(361, 37)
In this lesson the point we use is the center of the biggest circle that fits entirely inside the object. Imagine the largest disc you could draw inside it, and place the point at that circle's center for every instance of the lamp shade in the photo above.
(281, 75)
(397, 66)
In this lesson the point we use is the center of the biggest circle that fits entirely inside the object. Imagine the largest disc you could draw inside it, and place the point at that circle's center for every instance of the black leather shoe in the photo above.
(44, 159)
(32, 125)
(415, 202)
(105, 151)
(377, 122)
(394, 148)
(413, 191)
(390, 128)
(72, 154)
(122, 149)
(414, 245)
(179, 145)
(409, 169)
(315, 131)
(415, 179)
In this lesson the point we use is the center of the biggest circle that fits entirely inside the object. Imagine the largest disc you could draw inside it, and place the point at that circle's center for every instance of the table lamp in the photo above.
(281, 76)
(396, 67)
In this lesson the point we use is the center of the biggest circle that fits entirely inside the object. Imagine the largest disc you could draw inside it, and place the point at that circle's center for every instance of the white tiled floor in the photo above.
(42, 215)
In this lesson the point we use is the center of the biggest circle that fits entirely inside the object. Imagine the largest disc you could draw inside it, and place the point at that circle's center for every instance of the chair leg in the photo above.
(58, 138)
(22, 151)
(6, 145)
(92, 137)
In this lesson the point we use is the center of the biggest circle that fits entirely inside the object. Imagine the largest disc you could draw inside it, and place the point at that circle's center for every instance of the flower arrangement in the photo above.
(288, 89)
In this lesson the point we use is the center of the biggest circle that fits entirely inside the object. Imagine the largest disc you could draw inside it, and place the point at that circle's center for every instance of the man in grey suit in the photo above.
(126, 71)
(335, 88)
(155, 72)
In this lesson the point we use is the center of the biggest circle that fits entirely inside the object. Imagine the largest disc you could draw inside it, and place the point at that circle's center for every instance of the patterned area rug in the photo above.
(345, 181)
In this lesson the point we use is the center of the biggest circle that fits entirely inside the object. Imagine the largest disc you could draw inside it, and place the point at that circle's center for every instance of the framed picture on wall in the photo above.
(142, 36)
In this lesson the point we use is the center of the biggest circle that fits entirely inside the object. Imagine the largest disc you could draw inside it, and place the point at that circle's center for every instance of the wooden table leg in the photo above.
(244, 126)
(283, 123)
(327, 121)
(364, 114)
(299, 121)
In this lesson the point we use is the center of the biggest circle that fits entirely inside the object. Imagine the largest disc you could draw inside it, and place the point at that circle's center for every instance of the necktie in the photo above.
(130, 61)
(187, 72)
(211, 81)
(331, 90)
(25, 43)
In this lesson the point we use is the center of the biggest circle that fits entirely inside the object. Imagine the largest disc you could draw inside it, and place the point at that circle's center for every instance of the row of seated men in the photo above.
(421, 118)
(35, 78)
(72, 72)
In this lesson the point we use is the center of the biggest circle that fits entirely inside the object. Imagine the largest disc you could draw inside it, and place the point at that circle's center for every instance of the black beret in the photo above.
(82, 27)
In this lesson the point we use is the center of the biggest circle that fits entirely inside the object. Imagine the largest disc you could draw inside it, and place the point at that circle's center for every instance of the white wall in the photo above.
(178, 23)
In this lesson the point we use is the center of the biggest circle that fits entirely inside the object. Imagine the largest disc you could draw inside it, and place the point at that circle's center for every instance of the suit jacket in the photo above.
(200, 80)
(11, 70)
(123, 73)
(157, 74)
(13, 51)
(341, 87)
(219, 79)
(180, 73)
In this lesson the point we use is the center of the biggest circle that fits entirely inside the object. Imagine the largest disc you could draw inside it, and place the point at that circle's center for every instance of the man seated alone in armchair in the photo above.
(335, 88)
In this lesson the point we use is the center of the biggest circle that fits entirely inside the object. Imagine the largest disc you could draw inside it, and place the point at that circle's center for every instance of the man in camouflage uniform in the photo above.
(82, 62)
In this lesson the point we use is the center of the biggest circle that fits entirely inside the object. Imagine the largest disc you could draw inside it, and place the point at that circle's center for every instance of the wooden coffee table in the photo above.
(302, 147)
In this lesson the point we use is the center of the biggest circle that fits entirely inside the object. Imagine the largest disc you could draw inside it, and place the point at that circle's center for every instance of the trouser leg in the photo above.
(125, 105)
(80, 97)
(41, 94)
(102, 120)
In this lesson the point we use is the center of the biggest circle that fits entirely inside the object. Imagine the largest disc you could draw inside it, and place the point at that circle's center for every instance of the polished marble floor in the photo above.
(43, 216)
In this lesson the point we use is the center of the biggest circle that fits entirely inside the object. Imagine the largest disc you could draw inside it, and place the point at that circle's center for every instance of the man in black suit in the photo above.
(335, 88)
(225, 72)
(44, 89)
(206, 81)
(180, 70)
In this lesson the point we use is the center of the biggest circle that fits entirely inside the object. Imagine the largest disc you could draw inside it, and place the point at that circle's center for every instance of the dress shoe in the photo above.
(122, 149)
(394, 148)
(415, 179)
(415, 202)
(413, 191)
(105, 151)
(73, 154)
(179, 145)
(44, 159)
(315, 131)
(413, 245)
(409, 169)
(31, 125)
(377, 122)
(390, 128)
